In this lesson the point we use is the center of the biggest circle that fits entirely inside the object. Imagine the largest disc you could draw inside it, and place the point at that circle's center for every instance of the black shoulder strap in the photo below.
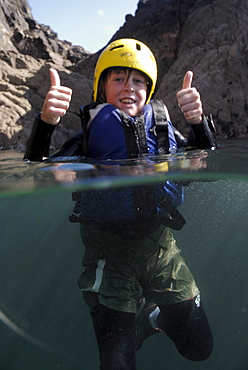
(140, 134)
(161, 117)
(131, 141)
(85, 117)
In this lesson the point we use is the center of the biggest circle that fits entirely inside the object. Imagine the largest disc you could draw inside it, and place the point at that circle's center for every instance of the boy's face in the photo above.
(125, 92)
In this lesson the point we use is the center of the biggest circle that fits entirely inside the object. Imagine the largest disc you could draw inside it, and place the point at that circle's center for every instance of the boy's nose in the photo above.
(129, 86)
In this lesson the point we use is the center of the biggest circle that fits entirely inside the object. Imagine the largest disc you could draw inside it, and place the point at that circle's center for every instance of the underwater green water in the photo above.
(44, 322)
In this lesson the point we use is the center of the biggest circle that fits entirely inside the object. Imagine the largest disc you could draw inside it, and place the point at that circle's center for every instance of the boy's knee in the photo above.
(199, 351)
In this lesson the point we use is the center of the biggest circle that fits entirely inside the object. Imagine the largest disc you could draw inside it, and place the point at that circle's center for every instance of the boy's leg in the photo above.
(183, 319)
(115, 333)
(187, 326)
(185, 323)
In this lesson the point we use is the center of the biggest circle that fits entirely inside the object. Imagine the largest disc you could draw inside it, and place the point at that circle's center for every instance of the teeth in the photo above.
(127, 101)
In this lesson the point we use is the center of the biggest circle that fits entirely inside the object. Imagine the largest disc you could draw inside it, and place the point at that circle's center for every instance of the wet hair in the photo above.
(101, 96)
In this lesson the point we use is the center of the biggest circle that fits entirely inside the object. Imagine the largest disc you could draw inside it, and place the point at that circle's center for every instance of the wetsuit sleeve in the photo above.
(39, 141)
(201, 134)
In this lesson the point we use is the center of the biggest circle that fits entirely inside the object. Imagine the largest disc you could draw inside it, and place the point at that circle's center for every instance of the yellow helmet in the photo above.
(126, 53)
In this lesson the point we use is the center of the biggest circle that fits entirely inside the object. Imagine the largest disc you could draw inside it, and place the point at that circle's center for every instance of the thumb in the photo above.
(54, 77)
(187, 80)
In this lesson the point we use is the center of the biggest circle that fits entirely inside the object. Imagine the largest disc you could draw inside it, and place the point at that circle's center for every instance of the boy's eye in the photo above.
(140, 81)
(118, 79)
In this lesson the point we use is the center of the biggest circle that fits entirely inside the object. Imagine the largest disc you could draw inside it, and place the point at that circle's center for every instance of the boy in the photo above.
(130, 254)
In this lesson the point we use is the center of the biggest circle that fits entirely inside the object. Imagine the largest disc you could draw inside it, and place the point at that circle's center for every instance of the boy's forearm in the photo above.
(39, 141)
(201, 134)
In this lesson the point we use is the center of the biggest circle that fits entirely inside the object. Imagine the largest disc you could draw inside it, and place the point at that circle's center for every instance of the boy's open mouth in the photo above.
(127, 101)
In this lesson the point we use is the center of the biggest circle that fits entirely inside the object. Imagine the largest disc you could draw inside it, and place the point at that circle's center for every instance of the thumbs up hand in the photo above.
(57, 100)
(189, 100)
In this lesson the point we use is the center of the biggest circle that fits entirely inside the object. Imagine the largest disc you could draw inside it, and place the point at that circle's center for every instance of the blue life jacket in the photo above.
(111, 134)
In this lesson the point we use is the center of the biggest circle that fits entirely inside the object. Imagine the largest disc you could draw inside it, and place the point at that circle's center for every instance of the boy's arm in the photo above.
(39, 143)
(55, 106)
(39, 140)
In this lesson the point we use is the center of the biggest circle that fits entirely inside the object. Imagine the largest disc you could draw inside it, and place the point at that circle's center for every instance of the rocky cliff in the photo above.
(27, 50)
(208, 37)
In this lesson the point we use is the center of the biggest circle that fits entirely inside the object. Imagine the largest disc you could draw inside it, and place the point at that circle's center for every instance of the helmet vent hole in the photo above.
(138, 47)
(117, 47)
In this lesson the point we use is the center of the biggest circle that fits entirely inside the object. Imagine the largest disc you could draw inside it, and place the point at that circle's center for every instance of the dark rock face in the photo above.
(208, 37)
(27, 50)
(213, 44)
